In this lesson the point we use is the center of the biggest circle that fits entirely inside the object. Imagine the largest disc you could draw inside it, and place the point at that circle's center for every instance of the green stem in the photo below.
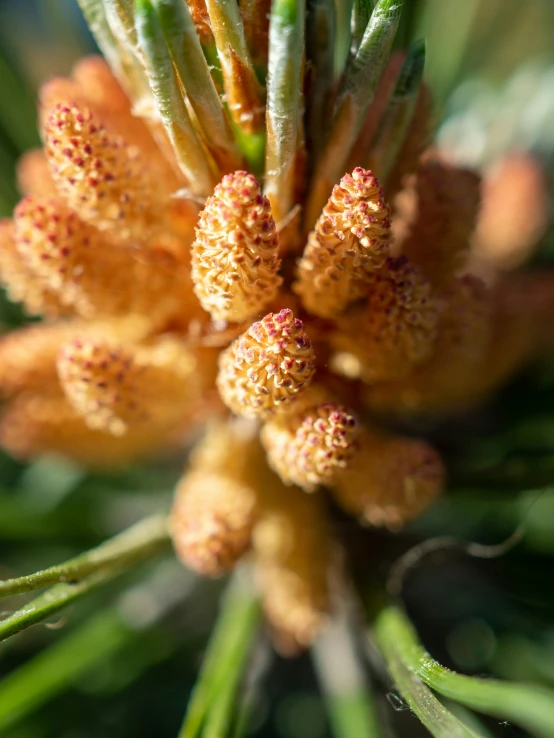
(214, 695)
(128, 548)
(360, 81)
(98, 639)
(530, 706)
(286, 50)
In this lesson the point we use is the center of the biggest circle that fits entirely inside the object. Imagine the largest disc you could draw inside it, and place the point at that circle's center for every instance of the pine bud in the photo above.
(349, 244)
(21, 284)
(211, 522)
(115, 387)
(215, 503)
(28, 355)
(91, 273)
(445, 381)
(104, 179)
(392, 480)
(440, 212)
(36, 424)
(394, 331)
(235, 263)
(293, 550)
(265, 369)
(312, 446)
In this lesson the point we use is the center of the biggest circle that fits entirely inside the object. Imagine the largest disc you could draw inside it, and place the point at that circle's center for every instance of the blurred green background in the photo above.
(123, 662)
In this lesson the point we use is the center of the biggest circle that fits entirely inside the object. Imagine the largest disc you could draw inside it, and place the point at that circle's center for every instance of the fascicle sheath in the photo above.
(235, 260)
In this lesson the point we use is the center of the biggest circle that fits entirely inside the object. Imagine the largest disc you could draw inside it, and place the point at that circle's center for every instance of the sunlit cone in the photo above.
(35, 424)
(440, 211)
(392, 480)
(265, 369)
(311, 446)
(445, 381)
(398, 324)
(293, 547)
(101, 176)
(91, 273)
(28, 355)
(115, 387)
(216, 501)
(234, 257)
(349, 243)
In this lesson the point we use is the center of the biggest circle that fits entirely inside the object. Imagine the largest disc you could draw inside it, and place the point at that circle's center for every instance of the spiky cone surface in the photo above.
(438, 214)
(265, 369)
(293, 548)
(33, 424)
(19, 281)
(28, 355)
(92, 273)
(392, 480)
(349, 244)
(235, 259)
(310, 447)
(116, 387)
(399, 325)
(444, 382)
(106, 180)
(216, 501)
(514, 212)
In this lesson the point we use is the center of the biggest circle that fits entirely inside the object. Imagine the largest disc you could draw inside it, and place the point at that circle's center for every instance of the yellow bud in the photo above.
(311, 446)
(36, 424)
(20, 282)
(265, 369)
(392, 480)
(116, 387)
(215, 502)
(349, 244)
(91, 273)
(104, 179)
(440, 213)
(292, 545)
(393, 332)
(235, 260)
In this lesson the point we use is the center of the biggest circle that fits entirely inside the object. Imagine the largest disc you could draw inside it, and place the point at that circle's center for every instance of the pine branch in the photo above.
(128, 548)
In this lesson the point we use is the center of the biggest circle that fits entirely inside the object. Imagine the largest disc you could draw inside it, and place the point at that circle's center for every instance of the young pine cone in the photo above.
(392, 480)
(234, 258)
(266, 368)
(349, 244)
(311, 446)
